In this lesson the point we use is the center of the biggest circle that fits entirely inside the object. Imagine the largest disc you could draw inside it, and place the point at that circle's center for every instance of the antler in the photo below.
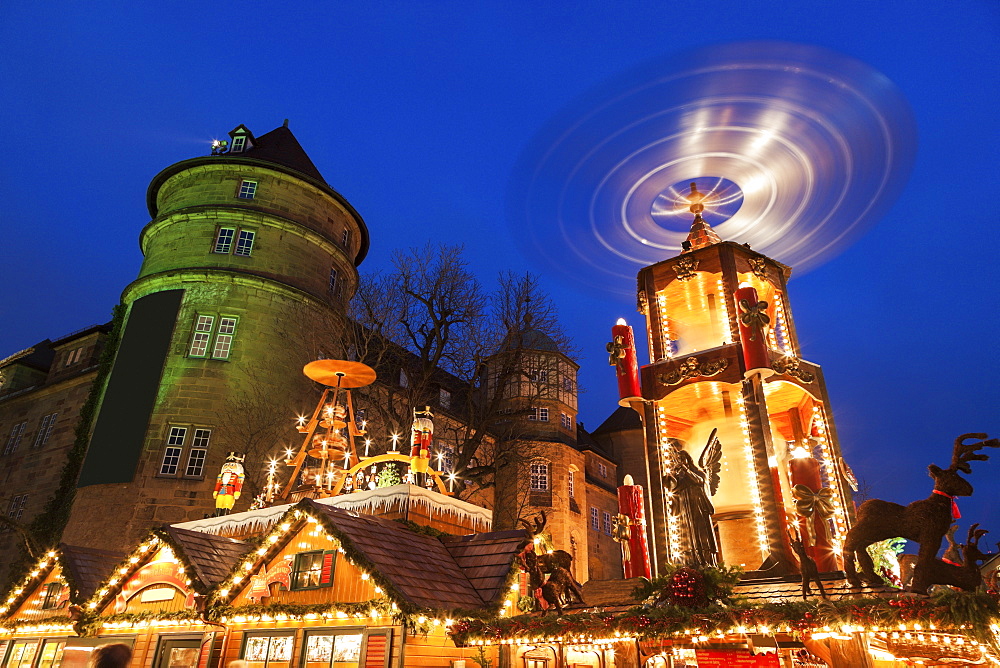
(967, 452)
(971, 550)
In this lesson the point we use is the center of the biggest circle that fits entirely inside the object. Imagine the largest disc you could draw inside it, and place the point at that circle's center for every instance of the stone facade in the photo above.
(263, 257)
(42, 392)
(213, 390)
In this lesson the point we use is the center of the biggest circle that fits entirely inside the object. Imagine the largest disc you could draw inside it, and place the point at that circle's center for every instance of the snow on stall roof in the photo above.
(370, 502)
(384, 499)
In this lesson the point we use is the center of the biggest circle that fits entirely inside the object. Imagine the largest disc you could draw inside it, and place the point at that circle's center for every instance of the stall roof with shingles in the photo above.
(420, 567)
(212, 557)
(485, 558)
(783, 590)
(86, 568)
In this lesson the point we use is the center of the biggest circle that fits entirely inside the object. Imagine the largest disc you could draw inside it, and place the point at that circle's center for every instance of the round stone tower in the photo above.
(250, 259)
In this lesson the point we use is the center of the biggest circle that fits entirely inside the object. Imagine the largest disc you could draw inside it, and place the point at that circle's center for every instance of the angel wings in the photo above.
(710, 462)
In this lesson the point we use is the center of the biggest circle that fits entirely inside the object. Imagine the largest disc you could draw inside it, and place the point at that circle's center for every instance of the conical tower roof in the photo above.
(280, 147)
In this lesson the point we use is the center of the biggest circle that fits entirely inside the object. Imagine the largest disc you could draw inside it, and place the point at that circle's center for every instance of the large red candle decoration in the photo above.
(753, 319)
(622, 350)
(805, 471)
(631, 530)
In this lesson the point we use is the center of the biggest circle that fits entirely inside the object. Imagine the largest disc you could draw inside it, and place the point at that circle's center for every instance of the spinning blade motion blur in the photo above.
(799, 149)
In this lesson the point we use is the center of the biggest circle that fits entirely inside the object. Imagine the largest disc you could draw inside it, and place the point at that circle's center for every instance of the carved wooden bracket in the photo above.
(692, 368)
(789, 366)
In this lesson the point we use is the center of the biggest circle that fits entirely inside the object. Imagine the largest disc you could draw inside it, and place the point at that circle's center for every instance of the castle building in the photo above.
(247, 255)
(250, 258)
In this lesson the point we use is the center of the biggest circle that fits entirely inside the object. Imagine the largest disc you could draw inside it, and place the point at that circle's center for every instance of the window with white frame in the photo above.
(539, 414)
(198, 453)
(244, 243)
(16, 507)
(224, 240)
(444, 398)
(236, 240)
(14, 439)
(193, 440)
(172, 453)
(602, 469)
(213, 335)
(606, 522)
(346, 237)
(239, 144)
(565, 420)
(224, 338)
(331, 286)
(248, 189)
(571, 484)
(539, 476)
(45, 429)
(203, 326)
(595, 521)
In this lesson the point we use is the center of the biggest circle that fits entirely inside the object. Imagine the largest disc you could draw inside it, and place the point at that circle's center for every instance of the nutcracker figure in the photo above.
(420, 443)
(229, 484)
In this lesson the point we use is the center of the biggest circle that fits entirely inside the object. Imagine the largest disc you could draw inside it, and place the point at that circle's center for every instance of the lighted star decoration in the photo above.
(799, 150)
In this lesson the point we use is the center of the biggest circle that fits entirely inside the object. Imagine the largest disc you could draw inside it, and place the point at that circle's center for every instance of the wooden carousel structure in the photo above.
(328, 462)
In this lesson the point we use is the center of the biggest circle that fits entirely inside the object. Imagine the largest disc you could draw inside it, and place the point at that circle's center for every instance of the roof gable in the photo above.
(415, 570)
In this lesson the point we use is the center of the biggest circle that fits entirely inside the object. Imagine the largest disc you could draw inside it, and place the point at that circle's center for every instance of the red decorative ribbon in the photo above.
(955, 515)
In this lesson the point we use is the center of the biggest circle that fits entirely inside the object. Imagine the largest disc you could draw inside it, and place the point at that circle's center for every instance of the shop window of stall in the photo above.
(52, 654)
(333, 649)
(268, 650)
(22, 654)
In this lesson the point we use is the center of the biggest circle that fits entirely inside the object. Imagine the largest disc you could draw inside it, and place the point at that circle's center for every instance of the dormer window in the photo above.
(240, 140)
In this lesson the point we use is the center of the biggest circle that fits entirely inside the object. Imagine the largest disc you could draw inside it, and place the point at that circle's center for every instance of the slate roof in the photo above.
(86, 568)
(281, 147)
(485, 558)
(622, 419)
(421, 568)
(212, 557)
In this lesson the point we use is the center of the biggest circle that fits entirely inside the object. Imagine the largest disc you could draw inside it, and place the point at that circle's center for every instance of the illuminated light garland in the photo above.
(727, 324)
(673, 525)
(754, 482)
(779, 333)
(668, 351)
(830, 466)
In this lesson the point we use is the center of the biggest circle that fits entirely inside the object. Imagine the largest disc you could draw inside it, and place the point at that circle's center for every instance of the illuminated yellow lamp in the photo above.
(365, 576)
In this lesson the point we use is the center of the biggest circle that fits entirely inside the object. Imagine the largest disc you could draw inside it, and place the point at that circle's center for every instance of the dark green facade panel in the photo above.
(120, 431)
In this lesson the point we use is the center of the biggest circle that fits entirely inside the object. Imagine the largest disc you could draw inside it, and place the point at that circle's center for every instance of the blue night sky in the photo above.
(419, 112)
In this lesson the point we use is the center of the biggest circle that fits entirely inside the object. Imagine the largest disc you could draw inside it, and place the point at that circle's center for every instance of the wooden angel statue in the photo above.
(692, 488)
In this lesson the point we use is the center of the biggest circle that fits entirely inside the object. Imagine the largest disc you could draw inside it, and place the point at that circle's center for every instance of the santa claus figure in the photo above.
(229, 484)
(420, 443)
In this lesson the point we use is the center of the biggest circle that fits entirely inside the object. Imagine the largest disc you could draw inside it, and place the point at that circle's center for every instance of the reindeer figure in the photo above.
(952, 555)
(924, 522)
(807, 565)
(965, 575)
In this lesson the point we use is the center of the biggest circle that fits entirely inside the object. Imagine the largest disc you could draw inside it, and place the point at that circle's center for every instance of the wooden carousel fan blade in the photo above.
(340, 373)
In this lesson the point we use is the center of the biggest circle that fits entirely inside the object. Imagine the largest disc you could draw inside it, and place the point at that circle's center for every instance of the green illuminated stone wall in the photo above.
(287, 317)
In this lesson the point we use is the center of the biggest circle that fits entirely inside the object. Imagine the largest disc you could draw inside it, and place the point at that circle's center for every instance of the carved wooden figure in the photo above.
(807, 565)
(925, 522)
